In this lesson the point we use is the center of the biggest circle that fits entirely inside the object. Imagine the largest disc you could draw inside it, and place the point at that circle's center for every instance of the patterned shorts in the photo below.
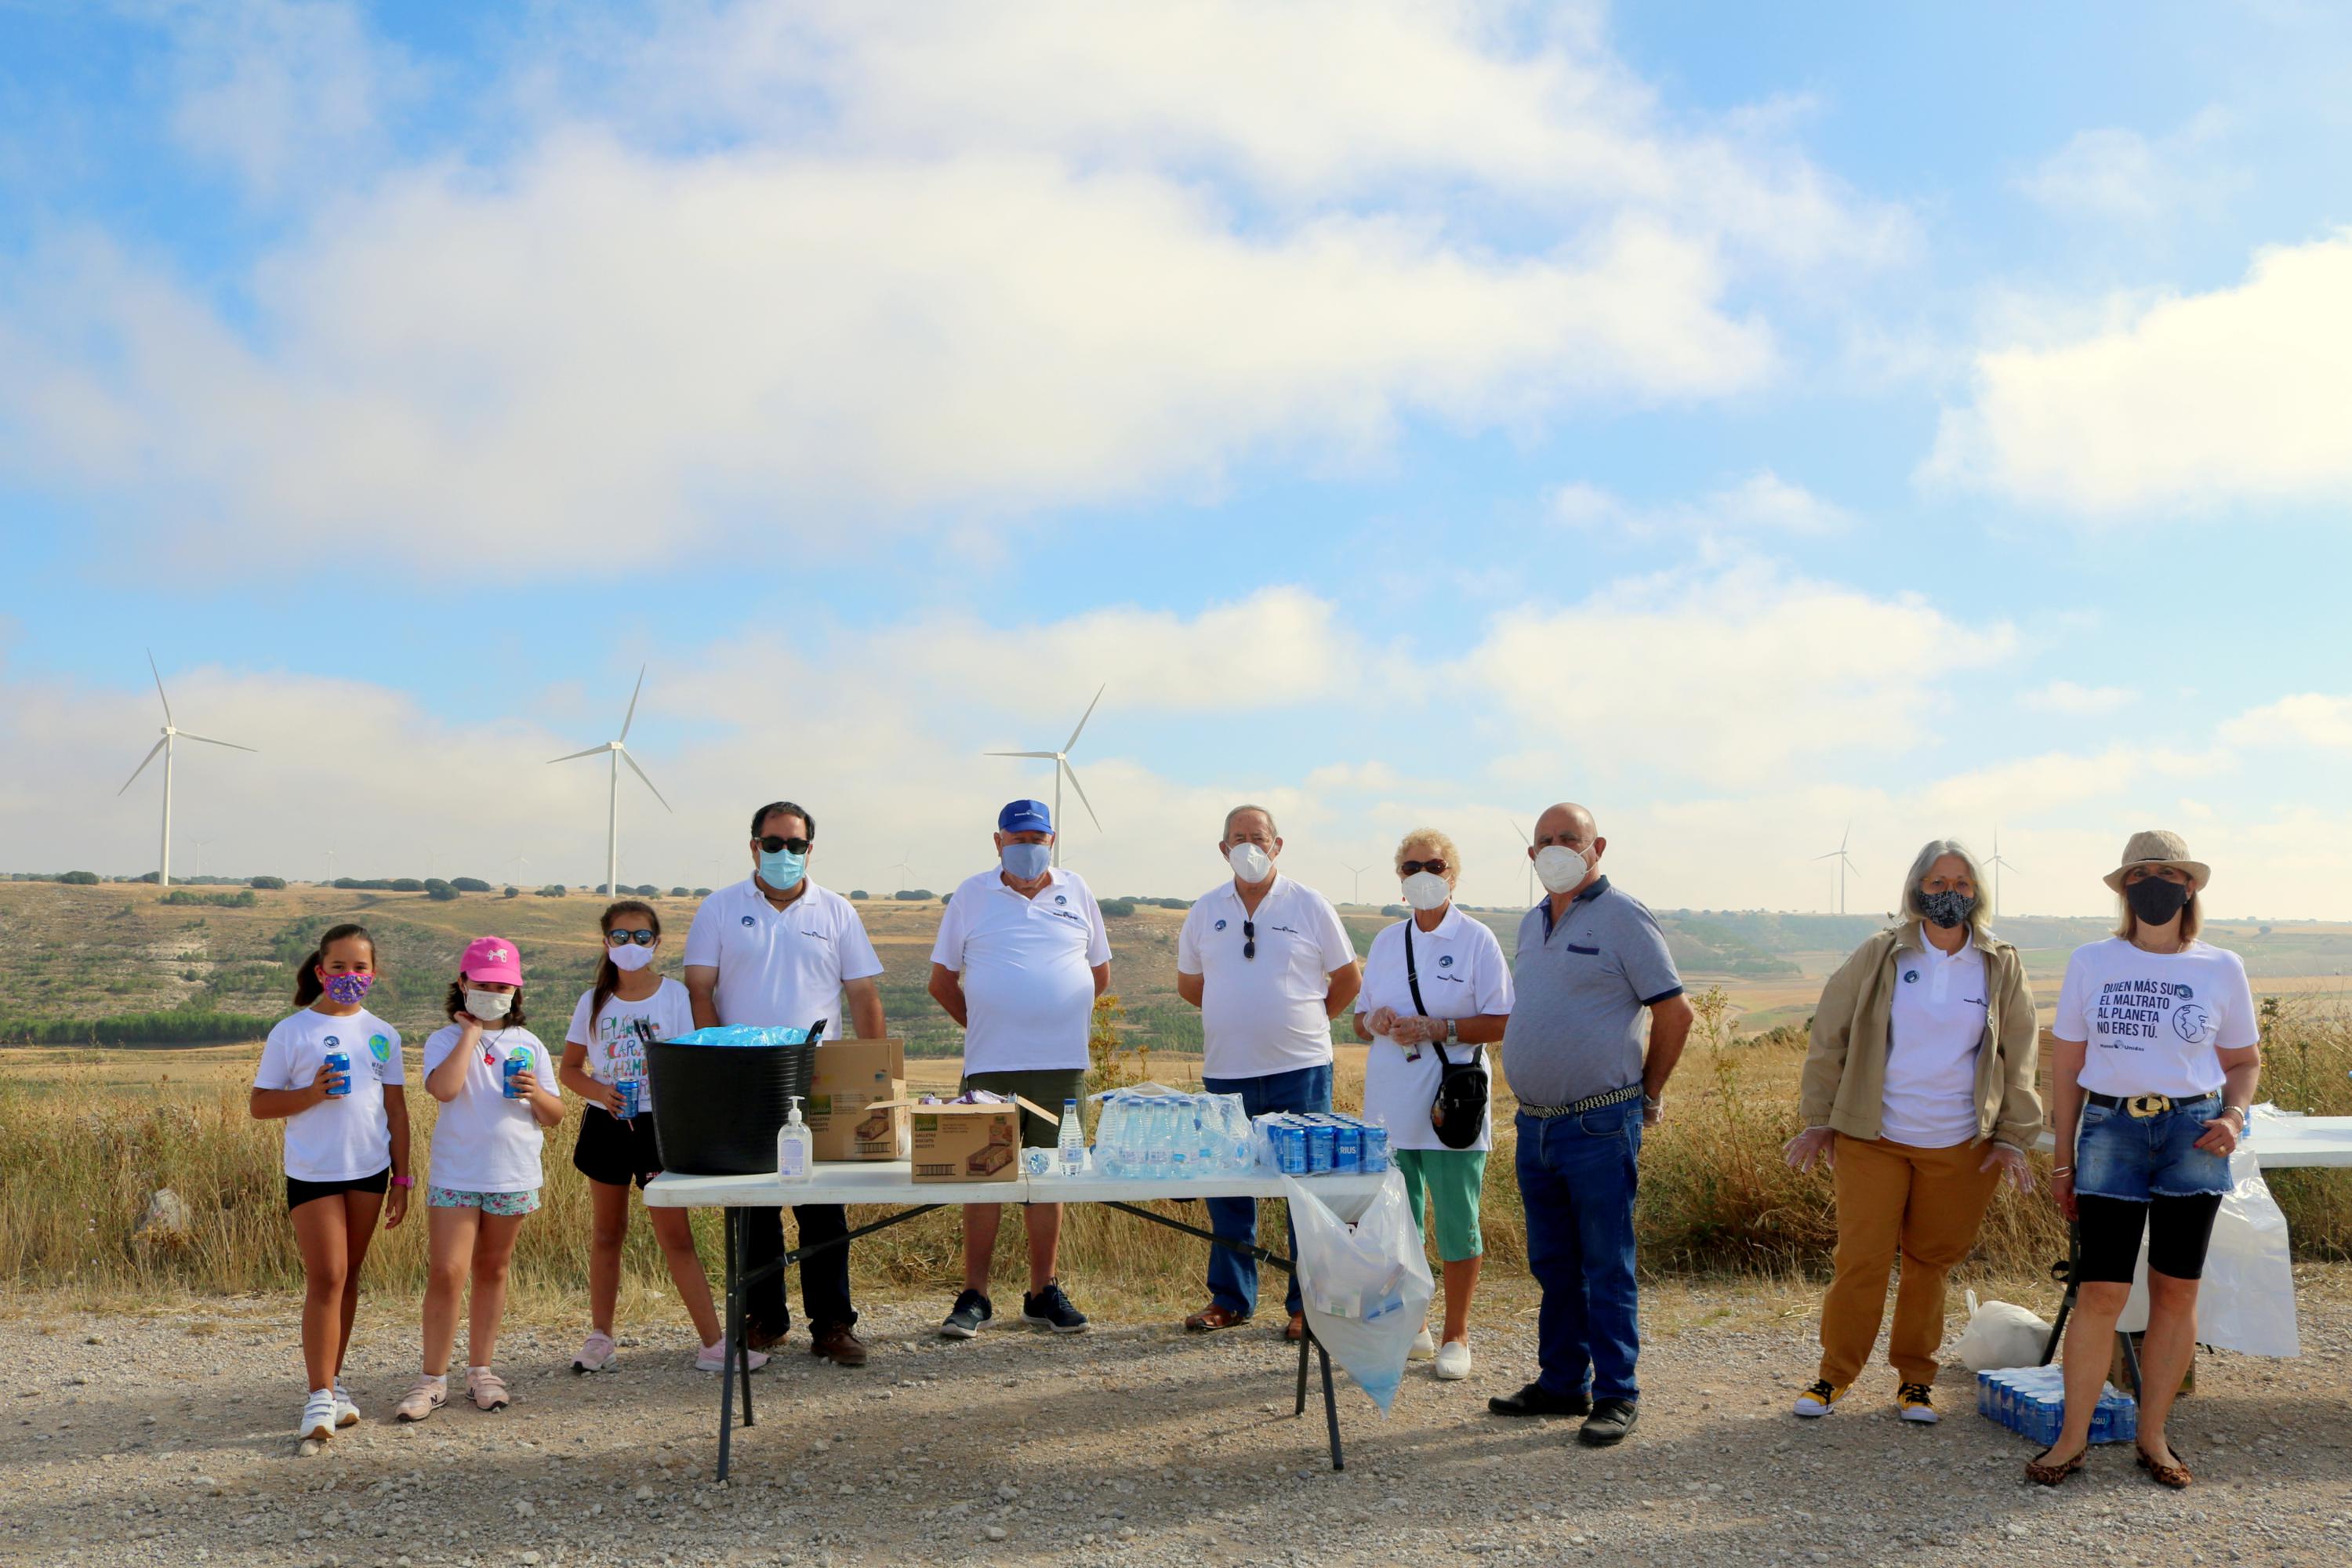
(507, 1204)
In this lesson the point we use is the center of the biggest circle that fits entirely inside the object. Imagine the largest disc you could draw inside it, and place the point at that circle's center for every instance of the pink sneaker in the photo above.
(486, 1388)
(429, 1394)
(713, 1358)
(596, 1354)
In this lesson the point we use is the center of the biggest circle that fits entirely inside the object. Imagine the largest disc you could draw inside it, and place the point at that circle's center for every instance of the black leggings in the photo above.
(2178, 1230)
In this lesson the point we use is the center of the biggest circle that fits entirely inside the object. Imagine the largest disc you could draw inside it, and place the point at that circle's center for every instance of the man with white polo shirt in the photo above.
(777, 950)
(1269, 966)
(1022, 955)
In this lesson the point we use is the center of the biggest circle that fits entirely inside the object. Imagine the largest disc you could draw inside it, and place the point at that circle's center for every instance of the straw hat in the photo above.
(2154, 847)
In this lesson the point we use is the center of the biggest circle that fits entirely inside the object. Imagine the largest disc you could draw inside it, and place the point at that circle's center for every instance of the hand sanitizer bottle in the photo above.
(796, 1148)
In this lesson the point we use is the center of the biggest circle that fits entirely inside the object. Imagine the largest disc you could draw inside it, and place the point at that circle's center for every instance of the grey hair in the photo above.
(1979, 919)
(1262, 811)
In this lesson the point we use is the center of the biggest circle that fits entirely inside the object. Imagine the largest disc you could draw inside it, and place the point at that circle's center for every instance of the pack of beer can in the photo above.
(1325, 1143)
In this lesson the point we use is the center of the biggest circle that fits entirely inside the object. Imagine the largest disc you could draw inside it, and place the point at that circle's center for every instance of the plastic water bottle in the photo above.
(1073, 1139)
(1159, 1138)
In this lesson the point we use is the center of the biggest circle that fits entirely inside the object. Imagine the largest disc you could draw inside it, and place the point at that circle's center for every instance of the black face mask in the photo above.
(1947, 908)
(2154, 900)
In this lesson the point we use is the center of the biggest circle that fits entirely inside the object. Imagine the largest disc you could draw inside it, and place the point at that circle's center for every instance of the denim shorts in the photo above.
(2119, 1156)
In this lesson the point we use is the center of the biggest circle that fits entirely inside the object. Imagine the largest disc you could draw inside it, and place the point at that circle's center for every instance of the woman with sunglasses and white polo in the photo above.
(604, 1064)
(1436, 987)
(2159, 1049)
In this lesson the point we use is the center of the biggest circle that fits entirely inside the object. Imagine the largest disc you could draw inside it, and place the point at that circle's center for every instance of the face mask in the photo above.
(2155, 900)
(1427, 890)
(1559, 869)
(784, 869)
(1249, 862)
(1947, 908)
(489, 1006)
(629, 959)
(1026, 862)
(349, 990)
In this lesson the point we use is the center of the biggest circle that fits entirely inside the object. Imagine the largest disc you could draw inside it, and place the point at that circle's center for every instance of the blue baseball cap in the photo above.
(1025, 816)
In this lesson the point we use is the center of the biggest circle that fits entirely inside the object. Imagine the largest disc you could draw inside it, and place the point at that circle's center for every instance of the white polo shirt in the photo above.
(1264, 1015)
(1028, 969)
(1463, 975)
(1935, 1029)
(783, 967)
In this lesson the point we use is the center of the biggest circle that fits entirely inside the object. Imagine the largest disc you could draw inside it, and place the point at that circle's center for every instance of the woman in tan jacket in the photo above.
(1918, 1094)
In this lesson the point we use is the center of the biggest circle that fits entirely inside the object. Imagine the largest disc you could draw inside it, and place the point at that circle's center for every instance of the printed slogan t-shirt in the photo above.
(2154, 1022)
(616, 1044)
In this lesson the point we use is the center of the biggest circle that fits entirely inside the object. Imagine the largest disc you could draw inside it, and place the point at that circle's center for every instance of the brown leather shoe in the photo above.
(760, 1338)
(1213, 1317)
(839, 1346)
(1294, 1330)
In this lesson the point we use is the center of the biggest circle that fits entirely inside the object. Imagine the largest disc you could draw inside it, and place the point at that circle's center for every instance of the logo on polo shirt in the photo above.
(749, 920)
(331, 1041)
(1061, 898)
(1909, 975)
(2182, 993)
(1445, 961)
(1220, 925)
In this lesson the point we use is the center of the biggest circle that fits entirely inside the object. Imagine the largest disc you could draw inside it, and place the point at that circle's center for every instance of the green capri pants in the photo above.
(1451, 1176)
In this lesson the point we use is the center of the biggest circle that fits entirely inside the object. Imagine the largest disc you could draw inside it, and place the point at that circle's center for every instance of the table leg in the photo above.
(1300, 1408)
(1330, 1405)
(739, 1348)
(732, 1331)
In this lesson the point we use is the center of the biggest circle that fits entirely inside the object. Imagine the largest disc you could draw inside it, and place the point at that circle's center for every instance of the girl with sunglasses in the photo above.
(604, 1065)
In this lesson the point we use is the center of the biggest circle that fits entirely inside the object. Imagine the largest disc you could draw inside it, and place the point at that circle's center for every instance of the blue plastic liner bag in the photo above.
(743, 1035)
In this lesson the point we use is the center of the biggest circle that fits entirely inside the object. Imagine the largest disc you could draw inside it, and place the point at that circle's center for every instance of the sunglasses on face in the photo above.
(1415, 867)
(623, 938)
(772, 845)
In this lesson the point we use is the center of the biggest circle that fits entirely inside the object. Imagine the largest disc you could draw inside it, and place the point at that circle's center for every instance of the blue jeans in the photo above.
(2119, 1156)
(1577, 1176)
(1232, 1276)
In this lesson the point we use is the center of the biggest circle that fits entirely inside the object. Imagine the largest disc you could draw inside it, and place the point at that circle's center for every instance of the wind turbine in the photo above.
(1060, 761)
(1357, 897)
(906, 874)
(1997, 863)
(619, 753)
(1844, 864)
(1531, 864)
(171, 732)
(200, 844)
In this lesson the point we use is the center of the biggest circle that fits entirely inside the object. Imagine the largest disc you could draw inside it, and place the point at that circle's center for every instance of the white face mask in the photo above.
(1559, 869)
(1427, 890)
(489, 1005)
(630, 957)
(1249, 862)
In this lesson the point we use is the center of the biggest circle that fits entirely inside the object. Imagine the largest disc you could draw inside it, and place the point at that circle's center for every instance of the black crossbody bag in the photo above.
(1459, 1109)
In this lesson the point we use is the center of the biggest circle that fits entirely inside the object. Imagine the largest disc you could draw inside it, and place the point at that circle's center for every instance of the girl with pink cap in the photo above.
(497, 1091)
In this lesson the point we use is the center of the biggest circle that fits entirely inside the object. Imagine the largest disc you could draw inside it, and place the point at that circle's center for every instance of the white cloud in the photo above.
(2067, 697)
(2309, 718)
(800, 267)
(2116, 175)
(1763, 502)
(1730, 677)
(2245, 394)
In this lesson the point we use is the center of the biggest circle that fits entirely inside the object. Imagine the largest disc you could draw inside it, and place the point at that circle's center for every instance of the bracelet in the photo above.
(2058, 1171)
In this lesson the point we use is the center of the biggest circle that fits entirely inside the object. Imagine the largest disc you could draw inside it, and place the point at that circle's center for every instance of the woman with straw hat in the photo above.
(1918, 1094)
(2157, 1053)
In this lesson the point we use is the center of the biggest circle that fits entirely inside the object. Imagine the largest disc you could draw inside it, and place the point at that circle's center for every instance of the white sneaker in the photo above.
(713, 1358)
(318, 1416)
(346, 1413)
(1424, 1347)
(1453, 1361)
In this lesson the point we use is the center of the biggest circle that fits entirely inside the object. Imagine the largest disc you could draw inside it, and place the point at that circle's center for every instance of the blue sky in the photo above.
(1748, 423)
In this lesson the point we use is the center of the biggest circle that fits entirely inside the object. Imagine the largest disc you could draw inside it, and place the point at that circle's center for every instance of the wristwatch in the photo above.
(1453, 1032)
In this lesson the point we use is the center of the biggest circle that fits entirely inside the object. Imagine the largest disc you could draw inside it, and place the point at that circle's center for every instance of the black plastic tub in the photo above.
(717, 1108)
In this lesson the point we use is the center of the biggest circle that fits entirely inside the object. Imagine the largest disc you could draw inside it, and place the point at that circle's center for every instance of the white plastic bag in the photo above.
(2000, 1334)
(2246, 1301)
(1365, 1286)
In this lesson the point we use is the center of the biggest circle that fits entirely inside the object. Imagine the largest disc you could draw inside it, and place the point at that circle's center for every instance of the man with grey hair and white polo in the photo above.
(1591, 966)
(1269, 966)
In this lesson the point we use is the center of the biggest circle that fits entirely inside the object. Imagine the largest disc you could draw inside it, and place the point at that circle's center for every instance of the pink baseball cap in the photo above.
(492, 958)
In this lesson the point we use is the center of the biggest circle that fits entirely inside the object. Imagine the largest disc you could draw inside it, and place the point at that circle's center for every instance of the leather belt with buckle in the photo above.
(1590, 1102)
(2138, 1107)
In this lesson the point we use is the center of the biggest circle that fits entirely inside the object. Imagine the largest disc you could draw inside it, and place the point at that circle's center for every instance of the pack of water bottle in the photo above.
(1172, 1137)
(2031, 1401)
(1323, 1143)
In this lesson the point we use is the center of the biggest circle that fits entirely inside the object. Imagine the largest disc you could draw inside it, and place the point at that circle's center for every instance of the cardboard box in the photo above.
(849, 1078)
(965, 1142)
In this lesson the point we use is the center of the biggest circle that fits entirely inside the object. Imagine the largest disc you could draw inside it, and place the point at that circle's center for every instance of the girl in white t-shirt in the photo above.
(603, 1054)
(495, 1088)
(332, 1074)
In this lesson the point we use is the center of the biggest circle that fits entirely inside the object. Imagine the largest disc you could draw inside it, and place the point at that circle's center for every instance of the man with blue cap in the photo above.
(1022, 955)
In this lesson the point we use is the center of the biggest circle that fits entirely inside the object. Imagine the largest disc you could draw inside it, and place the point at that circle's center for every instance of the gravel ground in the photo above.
(166, 1437)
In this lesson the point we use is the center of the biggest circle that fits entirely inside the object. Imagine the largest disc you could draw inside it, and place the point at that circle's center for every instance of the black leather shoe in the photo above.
(1534, 1399)
(1610, 1420)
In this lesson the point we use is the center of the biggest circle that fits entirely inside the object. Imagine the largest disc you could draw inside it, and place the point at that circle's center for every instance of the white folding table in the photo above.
(890, 1182)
